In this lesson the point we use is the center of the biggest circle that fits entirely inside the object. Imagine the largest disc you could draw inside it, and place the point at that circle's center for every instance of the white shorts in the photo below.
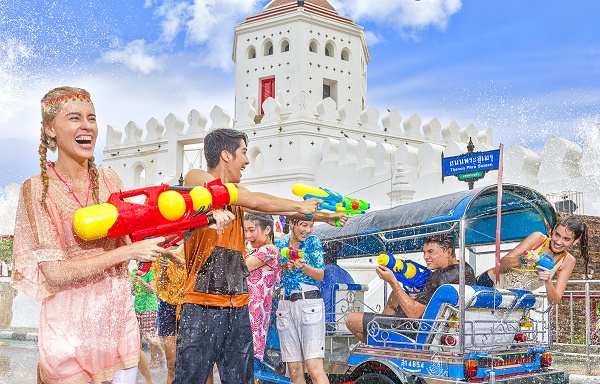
(301, 328)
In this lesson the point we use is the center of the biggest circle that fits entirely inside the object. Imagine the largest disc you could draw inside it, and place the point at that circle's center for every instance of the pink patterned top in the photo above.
(88, 329)
(260, 289)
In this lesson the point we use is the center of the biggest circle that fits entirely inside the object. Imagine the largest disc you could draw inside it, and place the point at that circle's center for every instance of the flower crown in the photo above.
(72, 96)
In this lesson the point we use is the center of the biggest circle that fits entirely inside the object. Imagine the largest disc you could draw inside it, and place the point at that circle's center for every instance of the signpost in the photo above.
(471, 166)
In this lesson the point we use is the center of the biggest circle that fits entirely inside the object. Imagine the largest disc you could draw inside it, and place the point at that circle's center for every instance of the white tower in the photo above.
(293, 47)
(300, 78)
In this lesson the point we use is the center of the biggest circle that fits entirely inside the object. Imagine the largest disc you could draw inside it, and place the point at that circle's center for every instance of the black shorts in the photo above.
(485, 280)
(166, 321)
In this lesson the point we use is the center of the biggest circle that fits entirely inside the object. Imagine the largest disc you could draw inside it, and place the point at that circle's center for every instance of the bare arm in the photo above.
(410, 306)
(163, 276)
(512, 258)
(265, 203)
(197, 177)
(150, 287)
(257, 201)
(330, 218)
(312, 272)
(65, 271)
(555, 292)
(390, 305)
(253, 262)
(178, 261)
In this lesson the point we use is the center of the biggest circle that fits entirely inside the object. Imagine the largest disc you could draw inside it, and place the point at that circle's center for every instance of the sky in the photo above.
(527, 69)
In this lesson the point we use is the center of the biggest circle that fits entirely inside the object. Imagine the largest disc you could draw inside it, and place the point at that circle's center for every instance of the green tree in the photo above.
(6, 252)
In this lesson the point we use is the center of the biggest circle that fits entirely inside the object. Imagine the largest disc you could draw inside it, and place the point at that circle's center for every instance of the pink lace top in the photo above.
(88, 328)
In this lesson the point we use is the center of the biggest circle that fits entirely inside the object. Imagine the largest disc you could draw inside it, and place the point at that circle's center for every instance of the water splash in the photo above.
(526, 120)
(46, 41)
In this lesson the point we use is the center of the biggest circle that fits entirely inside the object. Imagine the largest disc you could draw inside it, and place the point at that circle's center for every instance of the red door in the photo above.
(267, 89)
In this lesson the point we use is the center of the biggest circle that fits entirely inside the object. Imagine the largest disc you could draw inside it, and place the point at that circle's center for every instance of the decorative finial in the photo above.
(470, 146)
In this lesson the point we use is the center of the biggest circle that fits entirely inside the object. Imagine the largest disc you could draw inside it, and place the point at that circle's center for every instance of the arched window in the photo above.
(256, 161)
(329, 50)
(268, 50)
(312, 47)
(285, 46)
(139, 175)
(251, 52)
(345, 54)
(330, 89)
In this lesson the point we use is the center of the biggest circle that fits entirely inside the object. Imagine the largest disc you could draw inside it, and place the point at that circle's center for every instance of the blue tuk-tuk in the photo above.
(467, 333)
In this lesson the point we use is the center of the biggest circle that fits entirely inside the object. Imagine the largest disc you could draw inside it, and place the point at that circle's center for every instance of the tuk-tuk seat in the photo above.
(483, 307)
(441, 315)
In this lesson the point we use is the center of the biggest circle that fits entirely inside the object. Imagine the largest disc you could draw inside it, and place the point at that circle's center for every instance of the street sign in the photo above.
(470, 175)
(471, 166)
(470, 162)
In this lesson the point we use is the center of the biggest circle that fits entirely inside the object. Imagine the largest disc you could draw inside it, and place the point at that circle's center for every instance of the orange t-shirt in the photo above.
(216, 265)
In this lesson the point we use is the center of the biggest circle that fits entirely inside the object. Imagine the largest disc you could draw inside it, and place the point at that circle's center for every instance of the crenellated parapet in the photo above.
(394, 160)
(161, 152)
(407, 161)
(383, 158)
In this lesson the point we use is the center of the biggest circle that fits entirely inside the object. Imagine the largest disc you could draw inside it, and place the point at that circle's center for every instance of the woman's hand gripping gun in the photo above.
(543, 260)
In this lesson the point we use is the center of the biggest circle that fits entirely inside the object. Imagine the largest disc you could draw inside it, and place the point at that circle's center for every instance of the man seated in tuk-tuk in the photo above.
(438, 252)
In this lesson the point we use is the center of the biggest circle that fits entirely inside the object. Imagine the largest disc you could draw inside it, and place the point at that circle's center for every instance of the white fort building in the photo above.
(301, 97)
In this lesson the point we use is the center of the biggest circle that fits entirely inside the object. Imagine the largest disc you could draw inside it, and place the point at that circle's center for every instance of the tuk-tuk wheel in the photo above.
(374, 378)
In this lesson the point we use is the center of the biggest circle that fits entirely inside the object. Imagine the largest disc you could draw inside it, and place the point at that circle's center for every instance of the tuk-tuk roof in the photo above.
(402, 229)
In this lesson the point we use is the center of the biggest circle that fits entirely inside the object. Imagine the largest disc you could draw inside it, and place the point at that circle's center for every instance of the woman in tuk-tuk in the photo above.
(519, 268)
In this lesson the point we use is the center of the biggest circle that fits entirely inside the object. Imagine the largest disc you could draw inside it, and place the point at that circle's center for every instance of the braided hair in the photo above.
(49, 143)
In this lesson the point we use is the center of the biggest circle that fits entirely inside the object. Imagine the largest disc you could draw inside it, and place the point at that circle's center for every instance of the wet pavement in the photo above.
(578, 369)
(18, 363)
